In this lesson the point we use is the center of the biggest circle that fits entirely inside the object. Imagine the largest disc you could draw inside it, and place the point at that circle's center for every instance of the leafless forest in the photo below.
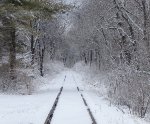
(111, 35)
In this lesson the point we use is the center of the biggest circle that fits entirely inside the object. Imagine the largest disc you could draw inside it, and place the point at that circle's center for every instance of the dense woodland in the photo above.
(113, 35)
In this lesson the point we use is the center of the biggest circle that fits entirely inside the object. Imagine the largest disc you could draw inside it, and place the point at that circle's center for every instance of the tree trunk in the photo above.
(12, 53)
(41, 62)
(91, 57)
(32, 50)
(41, 57)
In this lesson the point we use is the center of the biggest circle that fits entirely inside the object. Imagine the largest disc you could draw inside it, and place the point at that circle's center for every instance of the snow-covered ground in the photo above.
(33, 109)
(30, 109)
(103, 112)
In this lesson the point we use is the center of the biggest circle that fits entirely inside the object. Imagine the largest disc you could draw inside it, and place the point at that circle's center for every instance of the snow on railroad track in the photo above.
(71, 109)
(50, 115)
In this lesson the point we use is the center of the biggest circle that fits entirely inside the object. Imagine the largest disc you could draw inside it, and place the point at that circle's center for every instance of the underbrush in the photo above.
(22, 84)
(124, 87)
(27, 80)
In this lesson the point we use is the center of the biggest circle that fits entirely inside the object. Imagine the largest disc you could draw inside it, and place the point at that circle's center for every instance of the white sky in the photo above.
(76, 2)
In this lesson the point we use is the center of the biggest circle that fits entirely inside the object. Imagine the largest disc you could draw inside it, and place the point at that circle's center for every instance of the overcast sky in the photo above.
(77, 2)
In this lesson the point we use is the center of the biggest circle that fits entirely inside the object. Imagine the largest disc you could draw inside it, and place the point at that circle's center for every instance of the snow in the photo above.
(33, 109)
(30, 109)
(25, 109)
(106, 114)
(70, 109)
(103, 112)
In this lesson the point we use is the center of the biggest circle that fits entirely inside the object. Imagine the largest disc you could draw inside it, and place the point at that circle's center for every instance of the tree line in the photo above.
(29, 32)
(114, 35)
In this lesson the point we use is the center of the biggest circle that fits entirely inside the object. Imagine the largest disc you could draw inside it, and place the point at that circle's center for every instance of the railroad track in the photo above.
(88, 109)
(51, 113)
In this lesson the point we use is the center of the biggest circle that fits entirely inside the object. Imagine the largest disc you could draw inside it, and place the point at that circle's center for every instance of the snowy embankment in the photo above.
(105, 113)
(32, 109)
(95, 93)
(29, 109)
